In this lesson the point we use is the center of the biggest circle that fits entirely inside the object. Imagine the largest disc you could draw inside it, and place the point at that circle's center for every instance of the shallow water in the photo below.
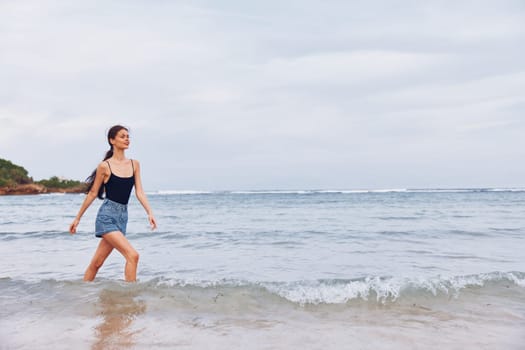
(418, 269)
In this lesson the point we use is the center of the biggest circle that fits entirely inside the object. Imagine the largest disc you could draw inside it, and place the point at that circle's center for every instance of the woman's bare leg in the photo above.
(118, 241)
(102, 252)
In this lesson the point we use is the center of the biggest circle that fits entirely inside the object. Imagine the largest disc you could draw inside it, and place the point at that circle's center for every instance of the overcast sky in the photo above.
(268, 94)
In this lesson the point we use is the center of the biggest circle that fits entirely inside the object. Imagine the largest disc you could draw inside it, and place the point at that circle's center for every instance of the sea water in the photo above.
(392, 269)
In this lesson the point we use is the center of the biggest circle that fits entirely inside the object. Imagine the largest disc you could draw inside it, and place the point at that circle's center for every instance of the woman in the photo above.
(116, 175)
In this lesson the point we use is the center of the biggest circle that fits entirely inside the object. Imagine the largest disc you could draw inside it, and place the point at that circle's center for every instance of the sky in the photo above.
(232, 95)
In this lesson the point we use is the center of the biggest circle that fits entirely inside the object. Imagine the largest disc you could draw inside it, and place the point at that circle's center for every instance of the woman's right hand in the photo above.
(73, 226)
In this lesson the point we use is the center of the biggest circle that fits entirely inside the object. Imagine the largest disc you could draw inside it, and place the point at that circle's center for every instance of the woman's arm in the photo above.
(141, 196)
(102, 172)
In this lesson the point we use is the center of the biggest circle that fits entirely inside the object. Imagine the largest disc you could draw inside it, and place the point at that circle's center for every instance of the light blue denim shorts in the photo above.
(111, 216)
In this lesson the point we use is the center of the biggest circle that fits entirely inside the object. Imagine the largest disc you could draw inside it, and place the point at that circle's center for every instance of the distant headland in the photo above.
(14, 180)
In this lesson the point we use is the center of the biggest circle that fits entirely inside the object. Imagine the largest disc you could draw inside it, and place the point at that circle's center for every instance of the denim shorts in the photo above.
(112, 216)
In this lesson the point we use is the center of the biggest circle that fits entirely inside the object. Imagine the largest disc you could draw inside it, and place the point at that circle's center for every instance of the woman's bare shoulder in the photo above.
(103, 166)
(136, 163)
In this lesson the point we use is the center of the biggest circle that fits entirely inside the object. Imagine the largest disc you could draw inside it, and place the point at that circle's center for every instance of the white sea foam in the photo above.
(386, 289)
(336, 293)
(507, 189)
(274, 192)
(179, 192)
(340, 191)
(393, 190)
(378, 289)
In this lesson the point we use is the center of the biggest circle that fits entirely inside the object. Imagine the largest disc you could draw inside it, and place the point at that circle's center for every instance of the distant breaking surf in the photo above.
(327, 191)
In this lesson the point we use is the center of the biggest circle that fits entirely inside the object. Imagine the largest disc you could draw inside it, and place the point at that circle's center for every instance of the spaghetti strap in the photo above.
(111, 171)
(132, 167)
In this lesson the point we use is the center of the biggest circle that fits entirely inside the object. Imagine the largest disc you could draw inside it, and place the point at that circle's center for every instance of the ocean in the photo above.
(384, 269)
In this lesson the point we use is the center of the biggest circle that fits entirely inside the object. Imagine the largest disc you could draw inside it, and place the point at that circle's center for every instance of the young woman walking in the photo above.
(116, 175)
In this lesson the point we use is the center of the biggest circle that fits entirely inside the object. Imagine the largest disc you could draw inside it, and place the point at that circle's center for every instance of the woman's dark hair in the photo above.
(112, 133)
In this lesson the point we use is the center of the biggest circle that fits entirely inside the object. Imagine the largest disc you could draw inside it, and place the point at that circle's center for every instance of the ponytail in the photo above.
(91, 178)
(112, 133)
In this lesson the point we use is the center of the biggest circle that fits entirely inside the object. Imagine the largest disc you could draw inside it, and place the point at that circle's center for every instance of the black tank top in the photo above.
(118, 189)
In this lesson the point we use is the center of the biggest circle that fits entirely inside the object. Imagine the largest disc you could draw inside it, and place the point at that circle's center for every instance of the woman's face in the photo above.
(121, 140)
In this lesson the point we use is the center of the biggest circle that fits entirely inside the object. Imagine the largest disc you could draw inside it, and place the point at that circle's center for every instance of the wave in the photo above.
(274, 192)
(466, 190)
(377, 290)
(49, 234)
(178, 192)
(328, 191)
(384, 290)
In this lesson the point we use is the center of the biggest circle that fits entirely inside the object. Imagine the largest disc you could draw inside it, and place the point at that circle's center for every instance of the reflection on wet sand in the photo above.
(118, 310)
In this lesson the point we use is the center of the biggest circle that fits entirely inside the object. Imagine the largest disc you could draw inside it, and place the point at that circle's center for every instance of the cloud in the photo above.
(345, 68)
(269, 94)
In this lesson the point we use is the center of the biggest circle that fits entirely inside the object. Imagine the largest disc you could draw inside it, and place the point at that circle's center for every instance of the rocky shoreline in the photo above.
(28, 189)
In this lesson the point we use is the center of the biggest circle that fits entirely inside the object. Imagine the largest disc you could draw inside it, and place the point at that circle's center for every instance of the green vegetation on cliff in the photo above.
(56, 182)
(12, 175)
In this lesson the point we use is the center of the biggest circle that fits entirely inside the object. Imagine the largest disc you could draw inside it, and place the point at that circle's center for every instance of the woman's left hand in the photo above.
(152, 222)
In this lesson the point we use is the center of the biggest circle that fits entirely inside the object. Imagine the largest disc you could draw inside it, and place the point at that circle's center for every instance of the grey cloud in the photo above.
(269, 94)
